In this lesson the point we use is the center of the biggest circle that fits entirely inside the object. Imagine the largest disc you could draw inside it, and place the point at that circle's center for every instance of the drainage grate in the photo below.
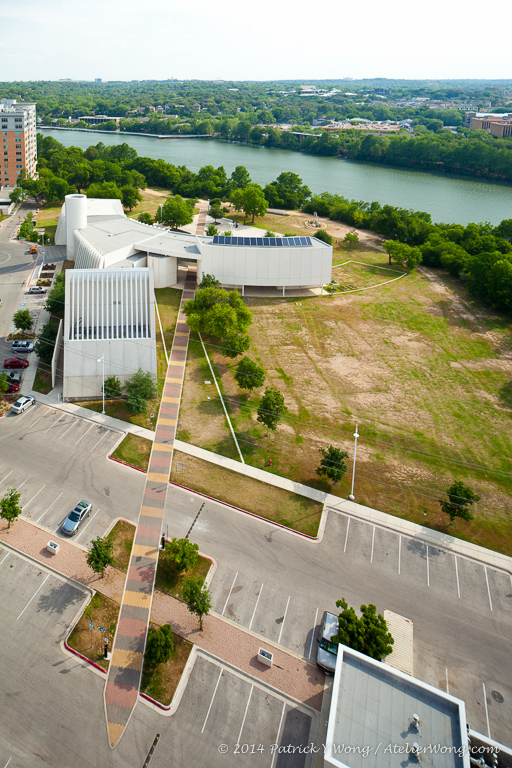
(497, 697)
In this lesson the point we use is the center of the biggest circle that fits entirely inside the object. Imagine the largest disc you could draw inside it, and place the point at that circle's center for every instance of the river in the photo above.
(448, 198)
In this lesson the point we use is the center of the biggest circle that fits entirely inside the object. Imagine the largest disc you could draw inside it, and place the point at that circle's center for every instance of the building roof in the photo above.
(371, 718)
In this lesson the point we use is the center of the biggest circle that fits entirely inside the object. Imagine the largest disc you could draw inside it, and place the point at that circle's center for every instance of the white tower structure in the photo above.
(76, 218)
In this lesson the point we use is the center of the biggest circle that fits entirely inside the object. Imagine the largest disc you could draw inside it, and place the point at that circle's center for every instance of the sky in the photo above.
(265, 40)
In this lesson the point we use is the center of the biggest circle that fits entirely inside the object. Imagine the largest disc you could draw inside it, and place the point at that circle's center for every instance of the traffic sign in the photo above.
(101, 629)
(91, 625)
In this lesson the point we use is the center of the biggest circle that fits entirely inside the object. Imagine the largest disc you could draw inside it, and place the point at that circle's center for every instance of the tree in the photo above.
(45, 342)
(101, 554)
(249, 374)
(287, 191)
(271, 409)
(4, 383)
(351, 238)
(18, 195)
(403, 254)
(10, 507)
(177, 212)
(235, 344)
(22, 320)
(159, 646)
(321, 234)
(240, 178)
(182, 554)
(215, 212)
(108, 190)
(333, 464)
(211, 230)
(208, 281)
(252, 201)
(55, 299)
(460, 498)
(140, 388)
(130, 196)
(145, 218)
(113, 387)
(197, 598)
(217, 312)
(367, 634)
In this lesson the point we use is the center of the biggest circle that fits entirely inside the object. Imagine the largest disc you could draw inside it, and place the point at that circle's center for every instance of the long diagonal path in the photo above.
(125, 671)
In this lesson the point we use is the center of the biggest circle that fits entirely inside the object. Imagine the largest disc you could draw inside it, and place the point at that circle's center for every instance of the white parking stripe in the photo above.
(4, 558)
(278, 734)
(99, 441)
(486, 711)
(90, 521)
(373, 542)
(284, 619)
(51, 505)
(84, 434)
(428, 570)
(230, 591)
(5, 478)
(399, 552)
(211, 702)
(35, 593)
(23, 483)
(346, 536)
(313, 634)
(257, 601)
(31, 426)
(76, 421)
(447, 686)
(488, 590)
(33, 497)
(7, 763)
(245, 714)
(457, 575)
(54, 423)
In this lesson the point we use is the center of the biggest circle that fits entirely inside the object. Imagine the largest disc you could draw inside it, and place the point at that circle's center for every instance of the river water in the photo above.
(448, 198)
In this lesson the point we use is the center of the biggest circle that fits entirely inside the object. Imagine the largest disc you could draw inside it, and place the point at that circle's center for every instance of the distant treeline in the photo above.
(479, 254)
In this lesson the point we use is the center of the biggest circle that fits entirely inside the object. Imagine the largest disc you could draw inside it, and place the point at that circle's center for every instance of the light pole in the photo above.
(161, 206)
(351, 496)
(102, 360)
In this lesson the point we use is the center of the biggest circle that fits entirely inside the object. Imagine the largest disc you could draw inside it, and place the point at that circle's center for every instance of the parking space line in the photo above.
(313, 635)
(346, 536)
(373, 542)
(35, 593)
(428, 570)
(37, 421)
(457, 575)
(257, 601)
(278, 734)
(211, 702)
(399, 552)
(229, 595)
(5, 558)
(23, 483)
(5, 478)
(284, 619)
(51, 505)
(84, 434)
(33, 497)
(54, 423)
(488, 590)
(99, 441)
(245, 714)
(7, 763)
(90, 521)
(486, 712)
(75, 421)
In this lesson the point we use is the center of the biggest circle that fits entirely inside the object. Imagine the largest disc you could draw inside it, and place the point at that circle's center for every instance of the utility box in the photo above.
(53, 547)
(265, 657)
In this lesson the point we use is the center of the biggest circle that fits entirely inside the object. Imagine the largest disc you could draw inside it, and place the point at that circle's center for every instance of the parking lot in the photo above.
(56, 460)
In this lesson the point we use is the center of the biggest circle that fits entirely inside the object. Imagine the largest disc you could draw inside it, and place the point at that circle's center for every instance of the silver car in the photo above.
(23, 403)
(327, 650)
(76, 517)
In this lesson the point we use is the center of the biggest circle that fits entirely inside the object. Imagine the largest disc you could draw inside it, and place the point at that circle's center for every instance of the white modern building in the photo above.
(109, 328)
(98, 235)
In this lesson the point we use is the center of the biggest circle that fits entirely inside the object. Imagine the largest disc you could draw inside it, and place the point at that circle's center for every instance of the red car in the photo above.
(14, 387)
(16, 362)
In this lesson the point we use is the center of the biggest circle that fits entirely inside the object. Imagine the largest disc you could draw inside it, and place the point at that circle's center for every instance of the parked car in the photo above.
(14, 378)
(14, 386)
(36, 289)
(76, 517)
(22, 346)
(327, 650)
(23, 403)
(16, 362)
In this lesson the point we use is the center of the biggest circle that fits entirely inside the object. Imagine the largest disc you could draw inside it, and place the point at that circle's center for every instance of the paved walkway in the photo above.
(201, 219)
(125, 670)
(227, 641)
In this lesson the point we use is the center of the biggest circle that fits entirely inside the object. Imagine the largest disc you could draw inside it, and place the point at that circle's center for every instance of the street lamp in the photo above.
(351, 495)
(102, 360)
(161, 206)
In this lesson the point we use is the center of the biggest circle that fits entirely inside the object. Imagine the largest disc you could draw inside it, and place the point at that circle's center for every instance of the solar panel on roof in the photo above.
(265, 240)
(279, 241)
(253, 240)
(304, 241)
(273, 242)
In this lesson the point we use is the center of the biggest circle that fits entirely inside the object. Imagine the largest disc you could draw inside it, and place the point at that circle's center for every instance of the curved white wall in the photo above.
(87, 256)
(76, 218)
(165, 270)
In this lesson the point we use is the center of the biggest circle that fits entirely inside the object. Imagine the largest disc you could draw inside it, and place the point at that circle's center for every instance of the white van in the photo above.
(327, 651)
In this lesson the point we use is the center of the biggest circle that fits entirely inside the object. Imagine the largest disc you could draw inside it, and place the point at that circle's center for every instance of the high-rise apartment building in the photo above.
(18, 145)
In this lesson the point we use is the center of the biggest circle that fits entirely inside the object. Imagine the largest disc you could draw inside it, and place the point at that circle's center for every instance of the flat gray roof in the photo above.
(371, 720)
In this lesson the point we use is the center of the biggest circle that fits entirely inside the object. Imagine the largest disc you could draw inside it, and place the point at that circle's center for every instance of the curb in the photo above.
(119, 461)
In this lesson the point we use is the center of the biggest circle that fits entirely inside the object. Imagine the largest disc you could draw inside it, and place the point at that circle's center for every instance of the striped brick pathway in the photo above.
(125, 671)
(201, 219)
